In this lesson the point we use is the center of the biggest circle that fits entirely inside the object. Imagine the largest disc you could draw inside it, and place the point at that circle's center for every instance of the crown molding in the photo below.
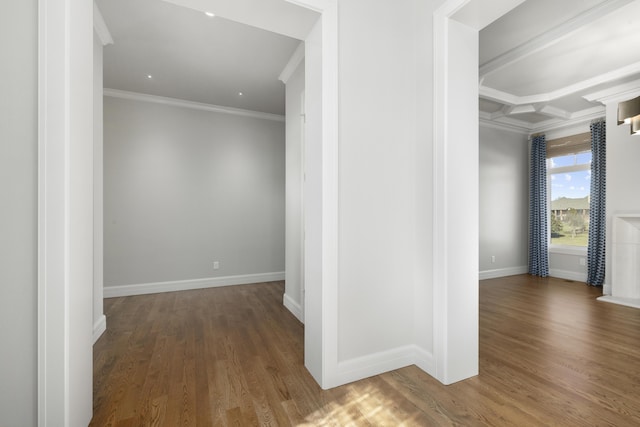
(100, 26)
(291, 67)
(487, 123)
(135, 96)
(551, 37)
(615, 93)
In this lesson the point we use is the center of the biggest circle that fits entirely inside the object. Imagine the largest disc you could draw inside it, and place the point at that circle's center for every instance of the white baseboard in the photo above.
(99, 327)
(503, 272)
(293, 306)
(424, 361)
(568, 275)
(375, 364)
(629, 302)
(606, 289)
(184, 285)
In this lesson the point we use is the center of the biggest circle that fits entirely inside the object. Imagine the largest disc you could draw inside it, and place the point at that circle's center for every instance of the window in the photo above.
(569, 184)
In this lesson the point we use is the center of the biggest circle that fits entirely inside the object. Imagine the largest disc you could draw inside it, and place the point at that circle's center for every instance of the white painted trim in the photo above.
(330, 190)
(100, 26)
(553, 112)
(616, 93)
(628, 302)
(65, 41)
(503, 272)
(293, 306)
(375, 364)
(578, 118)
(606, 289)
(184, 285)
(568, 275)
(99, 327)
(552, 36)
(295, 61)
(580, 251)
(385, 361)
(424, 360)
(439, 278)
(504, 123)
(53, 143)
(115, 93)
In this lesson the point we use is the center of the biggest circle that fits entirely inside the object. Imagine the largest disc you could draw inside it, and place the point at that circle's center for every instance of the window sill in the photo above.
(568, 250)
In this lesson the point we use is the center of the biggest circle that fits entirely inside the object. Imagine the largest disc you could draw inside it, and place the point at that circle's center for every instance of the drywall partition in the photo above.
(504, 201)
(455, 274)
(294, 216)
(185, 188)
(65, 213)
(317, 339)
(377, 173)
(18, 213)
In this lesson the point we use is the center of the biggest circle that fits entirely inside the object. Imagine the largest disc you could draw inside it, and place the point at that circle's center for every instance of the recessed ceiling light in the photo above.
(240, 93)
(210, 14)
(149, 76)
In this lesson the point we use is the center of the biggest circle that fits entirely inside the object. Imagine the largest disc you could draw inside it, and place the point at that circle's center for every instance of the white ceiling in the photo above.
(193, 57)
(540, 62)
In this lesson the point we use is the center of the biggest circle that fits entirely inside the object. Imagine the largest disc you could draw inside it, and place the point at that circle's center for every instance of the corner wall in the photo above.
(504, 201)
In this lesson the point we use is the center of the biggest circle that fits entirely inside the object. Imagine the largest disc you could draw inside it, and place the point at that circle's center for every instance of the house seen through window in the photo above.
(569, 182)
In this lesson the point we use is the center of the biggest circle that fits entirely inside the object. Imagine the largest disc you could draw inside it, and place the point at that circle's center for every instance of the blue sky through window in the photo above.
(574, 184)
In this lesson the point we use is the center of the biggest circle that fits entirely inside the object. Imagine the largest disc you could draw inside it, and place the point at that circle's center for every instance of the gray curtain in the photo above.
(597, 213)
(538, 234)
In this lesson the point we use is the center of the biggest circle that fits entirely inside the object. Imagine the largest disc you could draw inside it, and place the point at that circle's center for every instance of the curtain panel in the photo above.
(538, 228)
(597, 206)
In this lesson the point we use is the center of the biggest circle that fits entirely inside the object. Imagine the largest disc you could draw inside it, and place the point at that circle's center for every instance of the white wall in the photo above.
(294, 196)
(18, 213)
(623, 175)
(184, 188)
(504, 202)
(377, 178)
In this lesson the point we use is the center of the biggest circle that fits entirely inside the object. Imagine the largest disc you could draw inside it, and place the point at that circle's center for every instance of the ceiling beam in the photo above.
(554, 112)
(510, 99)
(551, 37)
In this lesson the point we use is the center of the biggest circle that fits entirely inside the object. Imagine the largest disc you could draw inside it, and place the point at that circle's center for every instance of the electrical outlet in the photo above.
(216, 265)
(493, 258)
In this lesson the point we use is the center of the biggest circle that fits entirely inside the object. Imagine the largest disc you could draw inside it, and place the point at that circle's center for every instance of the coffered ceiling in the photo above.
(540, 63)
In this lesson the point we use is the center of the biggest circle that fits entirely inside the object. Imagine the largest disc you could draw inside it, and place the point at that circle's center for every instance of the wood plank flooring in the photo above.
(550, 355)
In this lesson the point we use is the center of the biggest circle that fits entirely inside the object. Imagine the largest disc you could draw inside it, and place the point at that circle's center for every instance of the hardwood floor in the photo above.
(550, 354)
